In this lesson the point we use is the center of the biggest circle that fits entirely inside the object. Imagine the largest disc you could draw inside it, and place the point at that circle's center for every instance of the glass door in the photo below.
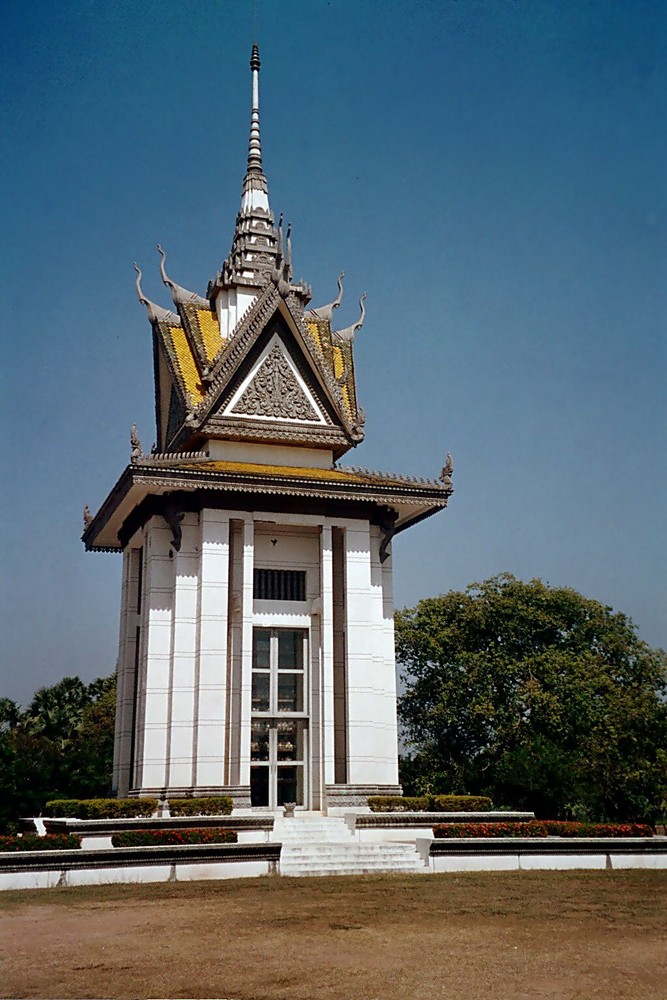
(279, 723)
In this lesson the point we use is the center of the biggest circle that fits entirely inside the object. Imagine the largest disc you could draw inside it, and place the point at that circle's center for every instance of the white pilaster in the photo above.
(327, 654)
(157, 646)
(385, 736)
(122, 738)
(246, 648)
(371, 685)
(212, 722)
(359, 647)
(184, 656)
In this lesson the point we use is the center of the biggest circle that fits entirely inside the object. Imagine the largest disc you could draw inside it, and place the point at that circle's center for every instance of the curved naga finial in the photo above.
(346, 336)
(288, 255)
(282, 272)
(326, 312)
(178, 293)
(447, 469)
(135, 443)
(277, 270)
(87, 517)
(156, 313)
(279, 258)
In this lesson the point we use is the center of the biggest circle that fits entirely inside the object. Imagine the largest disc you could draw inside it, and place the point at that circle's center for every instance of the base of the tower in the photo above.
(239, 794)
(345, 796)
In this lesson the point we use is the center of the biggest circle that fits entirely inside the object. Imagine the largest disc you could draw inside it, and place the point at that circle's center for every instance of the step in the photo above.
(345, 851)
(310, 870)
(411, 862)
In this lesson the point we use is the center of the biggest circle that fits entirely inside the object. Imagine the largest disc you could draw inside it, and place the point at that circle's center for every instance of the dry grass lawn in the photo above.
(509, 935)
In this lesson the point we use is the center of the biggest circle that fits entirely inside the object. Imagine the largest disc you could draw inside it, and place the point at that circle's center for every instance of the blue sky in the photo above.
(492, 173)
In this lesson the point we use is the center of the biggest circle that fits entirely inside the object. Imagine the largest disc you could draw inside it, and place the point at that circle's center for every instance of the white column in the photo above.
(213, 619)
(327, 655)
(359, 650)
(385, 736)
(371, 683)
(157, 626)
(246, 648)
(122, 739)
(184, 656)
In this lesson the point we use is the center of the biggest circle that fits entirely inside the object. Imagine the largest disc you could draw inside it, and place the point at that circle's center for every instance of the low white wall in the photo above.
(133, 874)
(391, 834)
(543, 862)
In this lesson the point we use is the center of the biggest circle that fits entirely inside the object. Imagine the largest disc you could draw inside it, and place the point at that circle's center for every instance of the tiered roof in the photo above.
(150, 483)
(248, 362)
(199, 362)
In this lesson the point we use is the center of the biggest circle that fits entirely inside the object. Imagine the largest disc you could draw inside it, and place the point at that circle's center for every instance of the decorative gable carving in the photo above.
(275, 392)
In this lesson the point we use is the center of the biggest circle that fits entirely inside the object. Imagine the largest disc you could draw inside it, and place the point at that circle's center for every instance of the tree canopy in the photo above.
(537, 696)
(60, 745)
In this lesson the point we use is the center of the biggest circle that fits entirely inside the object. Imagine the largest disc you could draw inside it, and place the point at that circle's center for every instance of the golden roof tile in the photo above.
(338, 475)
(185, 363)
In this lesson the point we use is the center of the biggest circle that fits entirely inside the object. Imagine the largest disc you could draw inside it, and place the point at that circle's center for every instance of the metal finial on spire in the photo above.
(255, 146)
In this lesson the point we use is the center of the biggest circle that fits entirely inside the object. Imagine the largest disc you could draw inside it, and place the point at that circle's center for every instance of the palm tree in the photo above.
(56, 711)
(10, 714)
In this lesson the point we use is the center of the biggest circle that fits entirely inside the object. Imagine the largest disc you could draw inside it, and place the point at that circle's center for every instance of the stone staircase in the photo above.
(324, 845)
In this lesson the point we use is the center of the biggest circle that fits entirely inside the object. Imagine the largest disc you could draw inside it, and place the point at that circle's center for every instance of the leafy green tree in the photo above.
(10, 714)
(61, 745)
(91, 758)
(536, 696)
(57, 711)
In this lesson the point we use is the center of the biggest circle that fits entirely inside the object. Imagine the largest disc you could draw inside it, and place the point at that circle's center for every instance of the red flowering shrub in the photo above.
(158, 838)
(542, 828)
(490, 830)
(33, 842)
(558, 828)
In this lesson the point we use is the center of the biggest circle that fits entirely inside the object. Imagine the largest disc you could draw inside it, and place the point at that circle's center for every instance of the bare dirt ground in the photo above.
(510, 935)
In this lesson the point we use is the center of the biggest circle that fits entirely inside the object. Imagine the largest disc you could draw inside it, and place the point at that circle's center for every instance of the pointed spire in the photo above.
(254, 180)
(255, 145)
(252, 257)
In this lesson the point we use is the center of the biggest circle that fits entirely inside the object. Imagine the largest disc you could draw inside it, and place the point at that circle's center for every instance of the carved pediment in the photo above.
(275, 390)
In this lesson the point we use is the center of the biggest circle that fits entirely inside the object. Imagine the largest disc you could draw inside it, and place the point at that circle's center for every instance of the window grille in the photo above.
(280, 585)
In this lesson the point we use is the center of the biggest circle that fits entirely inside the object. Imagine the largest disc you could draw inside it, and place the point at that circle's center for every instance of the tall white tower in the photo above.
(256, 642)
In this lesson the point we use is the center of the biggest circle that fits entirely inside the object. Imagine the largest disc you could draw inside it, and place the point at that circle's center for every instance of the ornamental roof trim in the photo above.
(412, 498)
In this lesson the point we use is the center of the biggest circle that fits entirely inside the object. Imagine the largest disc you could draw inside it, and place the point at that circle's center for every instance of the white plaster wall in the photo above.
(246, 648)
(638, 860)
(372, 742)
(235, 639)
(194, 705)
(326, 657)
(122, 738)
(267, 454)
(231, 306)
(475, 863)
(130, 620)
(134, 874)
(157, 648)
(183, 673)
(561, 862)
(405, 835)
(211, 722)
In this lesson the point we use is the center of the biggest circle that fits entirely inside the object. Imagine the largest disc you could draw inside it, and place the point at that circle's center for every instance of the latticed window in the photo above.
(280, 585)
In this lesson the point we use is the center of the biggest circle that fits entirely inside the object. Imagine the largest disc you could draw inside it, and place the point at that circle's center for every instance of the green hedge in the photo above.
(429, 803)
(33, 842)
(220, 805)
(100, 808)
(542, 828)
(156, 838)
